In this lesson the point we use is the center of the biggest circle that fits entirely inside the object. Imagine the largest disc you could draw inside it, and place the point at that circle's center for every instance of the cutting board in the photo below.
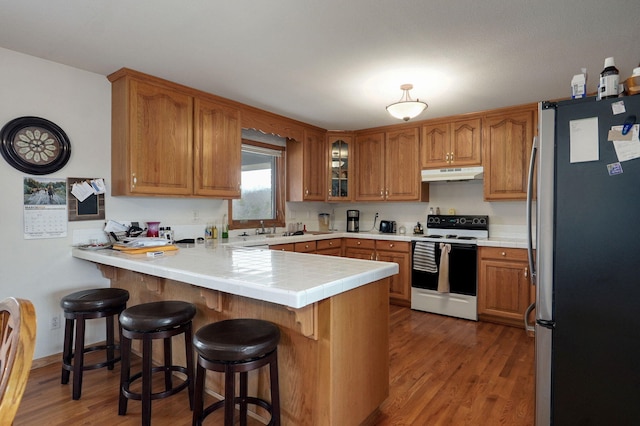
(139, 250)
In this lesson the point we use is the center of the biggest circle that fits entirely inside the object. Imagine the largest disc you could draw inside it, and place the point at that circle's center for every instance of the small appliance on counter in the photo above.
(353, 220)
(388, 226)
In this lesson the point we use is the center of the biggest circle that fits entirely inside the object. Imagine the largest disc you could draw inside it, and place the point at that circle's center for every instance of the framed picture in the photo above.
(34, 145)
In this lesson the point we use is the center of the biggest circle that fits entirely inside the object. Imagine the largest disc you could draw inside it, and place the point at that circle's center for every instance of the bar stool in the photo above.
(236, 346)
(150, 321)
(79, 307)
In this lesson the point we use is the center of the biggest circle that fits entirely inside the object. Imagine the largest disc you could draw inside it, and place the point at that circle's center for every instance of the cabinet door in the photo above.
(466, 143)
(504, 289)
(507, 145)
(434, 146)
(402, 169)
(400, 284)
(340, 168)
(314, 166)
(306, 163)
(369, 173)
(160, 140)
(218, 144)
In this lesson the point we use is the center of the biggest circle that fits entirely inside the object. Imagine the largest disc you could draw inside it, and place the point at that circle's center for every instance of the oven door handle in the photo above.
(529, 328)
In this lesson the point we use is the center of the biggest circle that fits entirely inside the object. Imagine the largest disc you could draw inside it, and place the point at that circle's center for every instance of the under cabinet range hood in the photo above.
(452, 173)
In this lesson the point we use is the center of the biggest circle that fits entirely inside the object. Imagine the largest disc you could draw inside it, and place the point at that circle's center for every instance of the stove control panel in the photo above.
(480, 223)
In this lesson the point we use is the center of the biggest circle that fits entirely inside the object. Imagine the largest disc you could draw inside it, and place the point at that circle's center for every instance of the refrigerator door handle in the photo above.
(532, 166)
(530, 328)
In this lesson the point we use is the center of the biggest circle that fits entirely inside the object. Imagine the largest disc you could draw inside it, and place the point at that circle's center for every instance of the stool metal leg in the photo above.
(110, 343)
(229, 395)
(275, 392)
(168, 362)
(78, 357)
(243, 398)
(198, 395)
(188, 344)
(146, 380)
(125, 372)
(67, 349)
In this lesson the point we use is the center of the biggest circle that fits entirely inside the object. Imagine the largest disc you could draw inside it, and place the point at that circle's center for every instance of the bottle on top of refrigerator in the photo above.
(609, 80)
(579, 85)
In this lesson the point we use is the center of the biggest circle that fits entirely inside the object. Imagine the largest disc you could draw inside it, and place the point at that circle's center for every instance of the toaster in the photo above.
(388, 226)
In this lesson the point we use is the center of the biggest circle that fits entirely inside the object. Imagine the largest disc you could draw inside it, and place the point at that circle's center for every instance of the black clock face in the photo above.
(34, 145)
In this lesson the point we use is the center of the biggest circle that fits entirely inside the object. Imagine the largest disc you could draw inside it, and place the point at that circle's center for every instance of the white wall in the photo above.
(80, 103)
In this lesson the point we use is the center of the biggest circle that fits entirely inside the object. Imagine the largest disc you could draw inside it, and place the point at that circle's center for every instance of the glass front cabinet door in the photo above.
(340, 159)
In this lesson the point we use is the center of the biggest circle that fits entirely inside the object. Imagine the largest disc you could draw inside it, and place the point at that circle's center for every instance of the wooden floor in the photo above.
(444, 371)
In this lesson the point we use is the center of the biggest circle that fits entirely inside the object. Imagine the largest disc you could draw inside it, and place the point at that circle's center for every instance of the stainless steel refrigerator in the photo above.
(587, 264)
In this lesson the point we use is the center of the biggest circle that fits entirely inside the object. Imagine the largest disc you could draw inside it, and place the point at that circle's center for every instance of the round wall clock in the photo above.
(34, 145)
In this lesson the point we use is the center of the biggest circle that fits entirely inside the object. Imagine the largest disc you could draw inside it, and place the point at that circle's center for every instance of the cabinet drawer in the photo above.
(305, 246)
(282, 247)
(503, 253)
(398, 246)
(360, 243)
(327, 244)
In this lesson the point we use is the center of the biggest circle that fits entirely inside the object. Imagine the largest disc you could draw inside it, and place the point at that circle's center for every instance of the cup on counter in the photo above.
(153, 229)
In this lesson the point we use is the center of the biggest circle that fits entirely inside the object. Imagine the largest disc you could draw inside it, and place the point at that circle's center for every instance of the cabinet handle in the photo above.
(503, 254)
(382, 193)
(330, 243)
(446, 157)
(526, 272)
(134, 180)
(358, 243)
(306, 191)
(391, 245)
(386, 192)
(372, 256)
(306, 246)
(451, 157)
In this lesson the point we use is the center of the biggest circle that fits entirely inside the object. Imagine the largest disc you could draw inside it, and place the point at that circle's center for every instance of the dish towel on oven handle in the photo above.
(424, 257)
(443, 278)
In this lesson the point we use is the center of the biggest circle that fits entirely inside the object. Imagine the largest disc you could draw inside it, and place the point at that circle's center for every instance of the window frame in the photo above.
(280, 179)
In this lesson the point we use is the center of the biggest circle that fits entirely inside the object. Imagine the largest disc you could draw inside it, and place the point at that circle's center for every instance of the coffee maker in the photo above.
(353, 220)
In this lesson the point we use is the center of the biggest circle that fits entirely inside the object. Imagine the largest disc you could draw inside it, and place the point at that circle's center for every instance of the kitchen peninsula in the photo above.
(332, 312)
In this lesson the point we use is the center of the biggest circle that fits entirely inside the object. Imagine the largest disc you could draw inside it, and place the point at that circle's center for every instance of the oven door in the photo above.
(463, 270)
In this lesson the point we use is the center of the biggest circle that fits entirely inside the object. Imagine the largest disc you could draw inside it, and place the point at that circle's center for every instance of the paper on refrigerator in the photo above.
(627, 147)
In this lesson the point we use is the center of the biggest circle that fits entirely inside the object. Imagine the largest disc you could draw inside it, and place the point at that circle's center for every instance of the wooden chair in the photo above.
(18, 334)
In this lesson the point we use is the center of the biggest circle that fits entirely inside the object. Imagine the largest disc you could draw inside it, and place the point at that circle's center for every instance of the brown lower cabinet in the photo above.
(386, 251)
(504, 287)
(367, 249)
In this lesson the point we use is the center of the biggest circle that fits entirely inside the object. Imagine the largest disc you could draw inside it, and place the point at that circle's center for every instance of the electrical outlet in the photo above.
(55, 322)
(376, 215)
(196, 215)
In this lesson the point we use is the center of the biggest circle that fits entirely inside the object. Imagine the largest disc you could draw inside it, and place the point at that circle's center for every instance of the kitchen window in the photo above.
(262, 187)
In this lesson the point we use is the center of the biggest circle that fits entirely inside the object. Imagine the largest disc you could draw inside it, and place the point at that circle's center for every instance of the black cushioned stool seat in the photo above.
(79, 307)
(236, 346)
(149, 321)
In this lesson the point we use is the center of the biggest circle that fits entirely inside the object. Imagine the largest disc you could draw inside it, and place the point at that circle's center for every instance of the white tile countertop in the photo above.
(253, 240)
(285, 278)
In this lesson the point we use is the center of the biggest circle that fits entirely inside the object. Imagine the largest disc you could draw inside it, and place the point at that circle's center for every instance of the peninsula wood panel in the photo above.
(337, 377)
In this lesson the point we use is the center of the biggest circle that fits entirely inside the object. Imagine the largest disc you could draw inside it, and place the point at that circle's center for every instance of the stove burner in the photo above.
(467, 238)
(451, 236)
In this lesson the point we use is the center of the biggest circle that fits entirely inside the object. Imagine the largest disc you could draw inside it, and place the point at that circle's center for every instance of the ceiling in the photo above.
(335, 63)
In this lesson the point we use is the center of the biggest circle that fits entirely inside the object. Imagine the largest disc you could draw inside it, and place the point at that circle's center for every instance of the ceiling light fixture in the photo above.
(406, 108)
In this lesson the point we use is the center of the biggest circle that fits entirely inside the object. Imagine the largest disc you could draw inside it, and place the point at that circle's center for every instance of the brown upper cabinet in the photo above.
(451, 143)
(340, 167)
(306, 165)
(160, 147)
(386, 166)
(507, 141)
